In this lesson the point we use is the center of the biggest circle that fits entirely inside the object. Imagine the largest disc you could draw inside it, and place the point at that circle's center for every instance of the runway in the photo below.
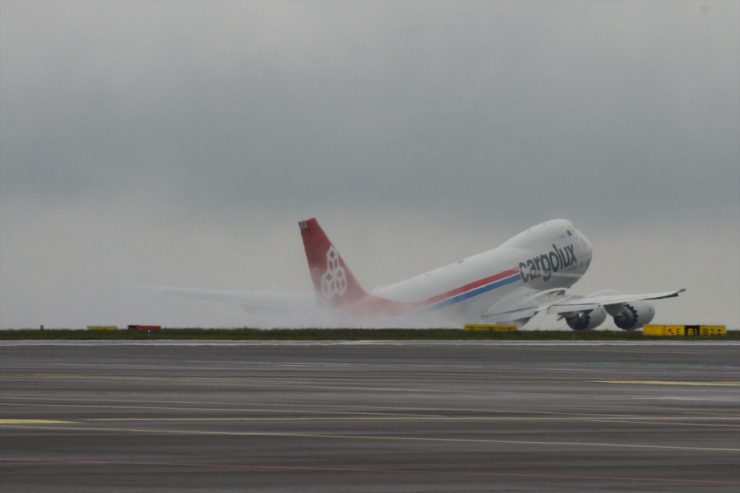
(366, 417)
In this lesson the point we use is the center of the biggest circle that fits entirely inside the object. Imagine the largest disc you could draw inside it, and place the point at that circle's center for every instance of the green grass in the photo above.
(336, 335)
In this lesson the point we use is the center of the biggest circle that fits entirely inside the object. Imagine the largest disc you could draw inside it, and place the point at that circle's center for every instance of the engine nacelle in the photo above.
(629, 316)
(585, 320)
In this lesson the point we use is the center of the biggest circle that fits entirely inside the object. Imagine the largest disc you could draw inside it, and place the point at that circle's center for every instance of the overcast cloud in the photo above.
(179, 143)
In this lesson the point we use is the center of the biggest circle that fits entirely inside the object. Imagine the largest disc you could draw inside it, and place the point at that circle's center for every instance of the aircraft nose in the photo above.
(586, 250)
(586, 243)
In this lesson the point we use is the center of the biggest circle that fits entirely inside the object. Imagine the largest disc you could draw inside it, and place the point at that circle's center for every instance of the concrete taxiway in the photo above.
(401, 416)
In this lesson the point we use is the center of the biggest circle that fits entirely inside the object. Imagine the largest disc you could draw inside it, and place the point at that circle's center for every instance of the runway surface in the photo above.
(351, 417)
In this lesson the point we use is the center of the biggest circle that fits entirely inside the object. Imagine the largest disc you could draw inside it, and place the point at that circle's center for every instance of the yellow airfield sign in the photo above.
(684, 330)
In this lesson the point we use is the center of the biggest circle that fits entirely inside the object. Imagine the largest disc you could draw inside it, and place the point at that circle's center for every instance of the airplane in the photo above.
(528, 274)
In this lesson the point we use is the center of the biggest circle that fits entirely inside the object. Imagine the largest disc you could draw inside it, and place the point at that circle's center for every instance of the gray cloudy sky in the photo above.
(178, 143)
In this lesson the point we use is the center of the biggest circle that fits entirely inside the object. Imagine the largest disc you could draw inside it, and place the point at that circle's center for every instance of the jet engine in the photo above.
(585, 320)
(629, 316)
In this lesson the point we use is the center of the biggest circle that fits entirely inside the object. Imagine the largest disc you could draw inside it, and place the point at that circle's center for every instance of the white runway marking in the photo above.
(727, 422)
(396, 438)
(239, 408)
(671, 382)
(33, 422)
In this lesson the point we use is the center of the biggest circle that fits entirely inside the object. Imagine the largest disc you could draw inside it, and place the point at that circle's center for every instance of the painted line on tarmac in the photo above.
(189, 409)
(671, 382)
(447, 440)
(395, 438)
(373, 410)
(35, 422)
(707, 422)
(727, 420)
(369, 417)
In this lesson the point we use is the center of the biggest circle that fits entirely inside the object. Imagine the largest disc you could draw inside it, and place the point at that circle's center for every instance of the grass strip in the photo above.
(337, 335)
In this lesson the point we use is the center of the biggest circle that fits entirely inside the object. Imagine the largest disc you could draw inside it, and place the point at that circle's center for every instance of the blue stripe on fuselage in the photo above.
(474, 292)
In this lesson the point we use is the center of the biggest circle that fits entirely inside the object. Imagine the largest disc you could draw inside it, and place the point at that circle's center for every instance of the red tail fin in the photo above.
(331, 277)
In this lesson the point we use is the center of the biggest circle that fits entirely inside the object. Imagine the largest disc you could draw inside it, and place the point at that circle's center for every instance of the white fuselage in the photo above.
(550, 255)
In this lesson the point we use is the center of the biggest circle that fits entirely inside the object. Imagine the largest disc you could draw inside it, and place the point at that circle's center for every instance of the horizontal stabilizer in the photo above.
(269, 298)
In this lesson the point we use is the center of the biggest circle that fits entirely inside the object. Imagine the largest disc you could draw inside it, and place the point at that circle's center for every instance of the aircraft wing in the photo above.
(577, 303)
(525, 305)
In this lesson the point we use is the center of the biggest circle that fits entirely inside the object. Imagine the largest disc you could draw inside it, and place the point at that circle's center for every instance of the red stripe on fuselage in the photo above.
(375, 305)
(469, 286)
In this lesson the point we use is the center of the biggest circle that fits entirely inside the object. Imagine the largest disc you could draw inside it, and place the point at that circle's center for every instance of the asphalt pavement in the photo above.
(367, 417)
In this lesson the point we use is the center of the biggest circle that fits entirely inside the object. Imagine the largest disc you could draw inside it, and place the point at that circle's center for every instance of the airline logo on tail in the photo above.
(334, 279)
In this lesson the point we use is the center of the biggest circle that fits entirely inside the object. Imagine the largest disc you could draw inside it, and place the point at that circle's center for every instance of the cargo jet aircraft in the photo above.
(528, 274)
